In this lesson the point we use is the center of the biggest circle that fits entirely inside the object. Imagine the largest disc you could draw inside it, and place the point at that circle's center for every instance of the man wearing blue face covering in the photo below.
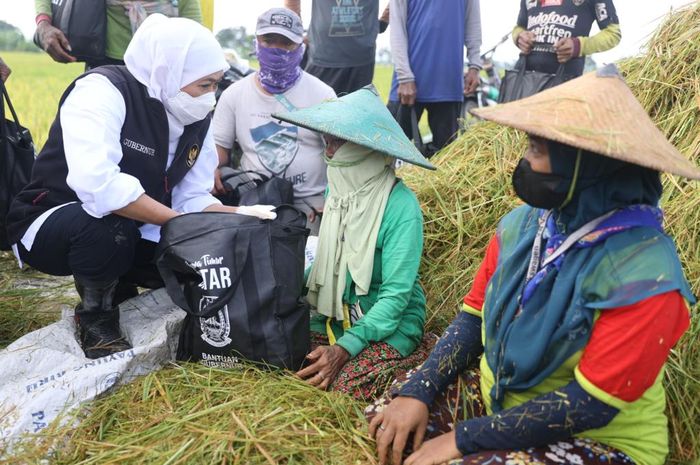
(243, 114)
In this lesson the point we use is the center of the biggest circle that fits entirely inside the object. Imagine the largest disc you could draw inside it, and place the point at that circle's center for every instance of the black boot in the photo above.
(124, 291)
(98, 319)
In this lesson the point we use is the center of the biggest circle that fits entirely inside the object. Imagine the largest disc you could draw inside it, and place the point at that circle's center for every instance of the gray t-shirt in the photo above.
(343, 33)
(269, 146)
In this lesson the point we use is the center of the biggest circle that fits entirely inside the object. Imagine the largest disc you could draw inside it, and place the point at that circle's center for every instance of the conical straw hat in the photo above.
(362, 118)
(596, 112)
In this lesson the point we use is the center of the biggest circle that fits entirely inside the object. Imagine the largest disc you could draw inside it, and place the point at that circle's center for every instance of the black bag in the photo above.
(16, 161)
(519, 83)
(254, 188)
(84, 23)
(408, 120)
(243, 279)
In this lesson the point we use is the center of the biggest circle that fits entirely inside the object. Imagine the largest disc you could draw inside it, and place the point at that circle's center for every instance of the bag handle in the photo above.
(6, 97)
(417, 138)
(228, 175)
(560, 71)
(415, 130)
(177, 294)
(9, 103)
(521, 66)
(21, 133)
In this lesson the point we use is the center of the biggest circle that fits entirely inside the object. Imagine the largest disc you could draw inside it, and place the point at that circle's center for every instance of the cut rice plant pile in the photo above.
(463, 201)
(194, 415)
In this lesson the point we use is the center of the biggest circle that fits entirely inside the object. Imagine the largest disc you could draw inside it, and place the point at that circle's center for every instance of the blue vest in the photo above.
(435, 31)
(144, 142)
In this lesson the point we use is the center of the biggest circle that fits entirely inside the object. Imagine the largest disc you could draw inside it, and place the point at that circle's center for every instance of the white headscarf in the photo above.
(166, 54)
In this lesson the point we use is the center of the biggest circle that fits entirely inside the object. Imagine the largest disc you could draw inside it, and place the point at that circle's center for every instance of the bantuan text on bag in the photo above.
(242, 280)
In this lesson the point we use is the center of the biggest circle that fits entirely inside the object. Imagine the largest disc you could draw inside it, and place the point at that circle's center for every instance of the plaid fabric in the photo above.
(368, 375)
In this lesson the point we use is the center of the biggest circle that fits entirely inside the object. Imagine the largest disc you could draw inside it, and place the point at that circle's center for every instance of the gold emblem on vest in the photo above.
(192, 155)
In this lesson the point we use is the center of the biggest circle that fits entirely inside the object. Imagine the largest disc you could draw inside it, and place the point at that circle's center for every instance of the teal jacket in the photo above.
(394, 308)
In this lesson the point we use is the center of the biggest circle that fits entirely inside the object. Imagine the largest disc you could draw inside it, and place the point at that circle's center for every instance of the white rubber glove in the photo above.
(264, 212)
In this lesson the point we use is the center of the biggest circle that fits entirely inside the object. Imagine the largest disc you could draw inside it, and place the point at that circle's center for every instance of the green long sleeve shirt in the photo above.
(394, 308)
(118, 26)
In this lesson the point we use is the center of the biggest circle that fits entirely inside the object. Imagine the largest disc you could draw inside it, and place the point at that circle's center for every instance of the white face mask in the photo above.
(187, 109)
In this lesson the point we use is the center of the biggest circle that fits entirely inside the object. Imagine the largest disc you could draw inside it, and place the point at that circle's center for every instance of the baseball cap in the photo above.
(281, 21)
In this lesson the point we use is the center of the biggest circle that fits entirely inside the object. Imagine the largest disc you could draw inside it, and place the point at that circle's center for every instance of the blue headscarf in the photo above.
(533, 327)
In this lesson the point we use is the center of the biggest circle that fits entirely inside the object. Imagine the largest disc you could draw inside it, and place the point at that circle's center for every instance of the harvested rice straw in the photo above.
(185, 414)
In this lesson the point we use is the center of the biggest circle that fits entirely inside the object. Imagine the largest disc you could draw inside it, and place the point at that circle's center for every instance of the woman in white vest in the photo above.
(130, 149)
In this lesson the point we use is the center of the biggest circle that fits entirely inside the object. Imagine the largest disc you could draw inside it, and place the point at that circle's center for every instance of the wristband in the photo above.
(42, 17)
(577, 47)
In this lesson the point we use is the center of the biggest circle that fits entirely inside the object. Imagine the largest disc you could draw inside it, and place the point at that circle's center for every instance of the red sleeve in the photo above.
(629, 345)
(477, 294)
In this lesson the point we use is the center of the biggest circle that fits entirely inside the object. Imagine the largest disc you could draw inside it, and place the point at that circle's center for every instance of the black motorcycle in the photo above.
(238, 69)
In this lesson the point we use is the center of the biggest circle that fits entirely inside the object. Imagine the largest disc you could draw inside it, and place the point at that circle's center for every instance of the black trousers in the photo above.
(443, 119)
(344, 80)
(97, 250)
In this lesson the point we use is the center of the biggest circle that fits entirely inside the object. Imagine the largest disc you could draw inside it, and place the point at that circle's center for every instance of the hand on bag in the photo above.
(439, 450)
(525, 42)
(327, 362)
(264, 212)
(315, 214)
(5, 71)
(54, 42)
(219, 188)
(471, 81)
(392, 426)
(407, 93)
(564, 49)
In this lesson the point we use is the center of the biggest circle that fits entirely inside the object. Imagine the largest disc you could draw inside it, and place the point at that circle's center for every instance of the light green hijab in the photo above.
(360, 181)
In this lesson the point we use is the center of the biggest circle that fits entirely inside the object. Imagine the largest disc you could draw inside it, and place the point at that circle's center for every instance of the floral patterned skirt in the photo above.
(366, 376)
(462, 400)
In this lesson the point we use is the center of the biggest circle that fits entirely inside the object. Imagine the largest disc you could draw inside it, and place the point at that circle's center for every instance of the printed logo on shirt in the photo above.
(551, 19)
(552, 2)
(601, 12)
(276, 146)
(128, 143)
(549, 28)
(346, 19)
(530, 4)
(192, 155)
(281, 20)
(578, 2)
(299, 178)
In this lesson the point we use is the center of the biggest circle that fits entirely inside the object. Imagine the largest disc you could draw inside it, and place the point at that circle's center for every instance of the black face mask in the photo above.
(539, 190)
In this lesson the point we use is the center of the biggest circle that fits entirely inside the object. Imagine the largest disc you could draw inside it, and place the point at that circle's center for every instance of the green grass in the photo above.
(35, 87)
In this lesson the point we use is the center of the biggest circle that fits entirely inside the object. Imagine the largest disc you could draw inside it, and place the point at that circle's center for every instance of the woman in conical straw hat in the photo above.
(364, 279)
(575, 307)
